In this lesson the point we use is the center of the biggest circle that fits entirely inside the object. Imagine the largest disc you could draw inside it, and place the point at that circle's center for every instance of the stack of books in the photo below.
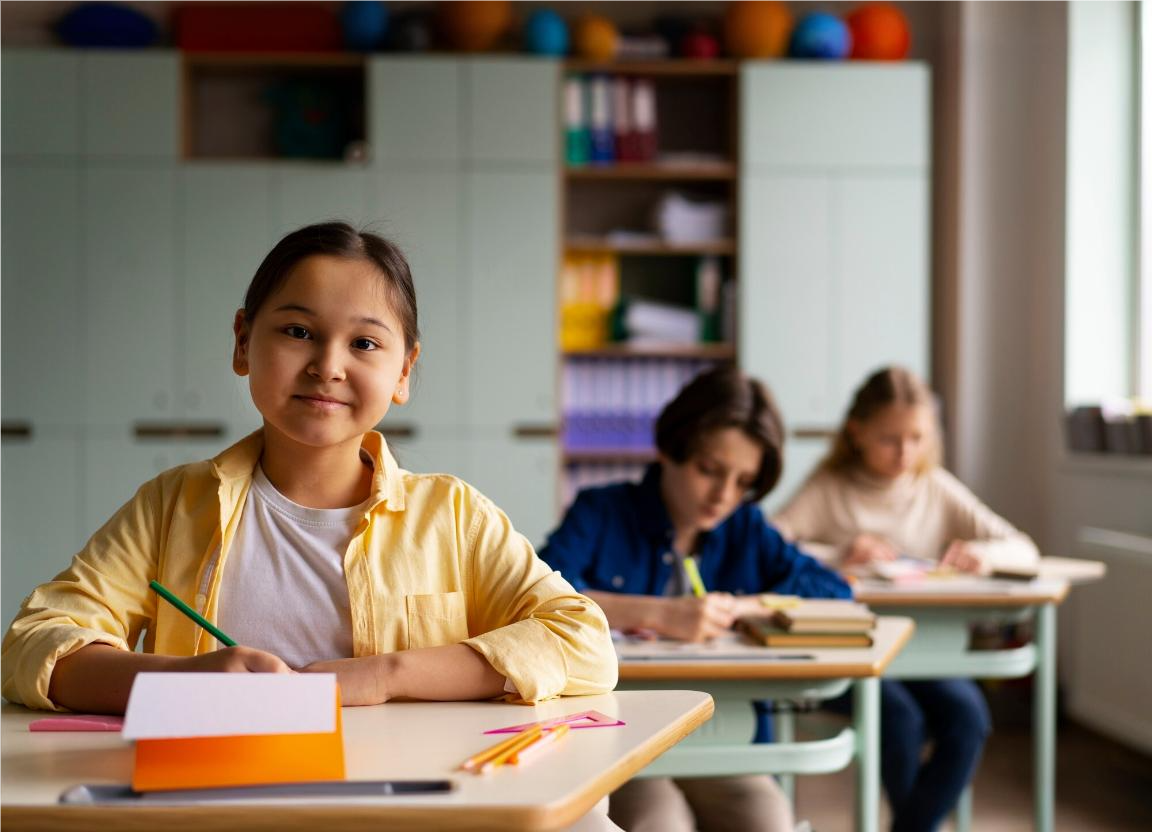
(816, 623)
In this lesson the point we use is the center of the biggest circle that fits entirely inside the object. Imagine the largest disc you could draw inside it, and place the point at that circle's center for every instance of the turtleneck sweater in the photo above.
(919, 514)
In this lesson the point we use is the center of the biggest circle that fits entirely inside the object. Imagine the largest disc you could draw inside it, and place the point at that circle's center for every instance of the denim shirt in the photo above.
(618, 538)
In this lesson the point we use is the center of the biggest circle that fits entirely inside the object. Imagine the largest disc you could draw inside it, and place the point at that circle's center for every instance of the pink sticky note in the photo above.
(583, 719)
(78, 722)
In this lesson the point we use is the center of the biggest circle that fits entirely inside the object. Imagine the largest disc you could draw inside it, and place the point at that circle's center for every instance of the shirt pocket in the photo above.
(436, 620)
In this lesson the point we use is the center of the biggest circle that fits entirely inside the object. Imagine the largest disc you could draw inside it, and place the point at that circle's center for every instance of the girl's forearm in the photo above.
(629, 612)
(454, 672)
(97, 679)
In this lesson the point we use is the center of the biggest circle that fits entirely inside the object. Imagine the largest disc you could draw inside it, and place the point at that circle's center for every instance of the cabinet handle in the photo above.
(813, 432)
(16, 430)
(534, 431)
(397, 431)
(178, 430)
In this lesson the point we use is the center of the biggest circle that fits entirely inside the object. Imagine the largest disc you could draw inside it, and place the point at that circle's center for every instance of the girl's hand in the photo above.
(233, 660)
(869, 548)
(699, 619)
(963, 557)
(363, 681)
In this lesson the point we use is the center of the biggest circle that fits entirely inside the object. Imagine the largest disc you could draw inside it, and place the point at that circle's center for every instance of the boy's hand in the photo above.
(699, 619)
(233, 660)
(869, 548)
(963, 557)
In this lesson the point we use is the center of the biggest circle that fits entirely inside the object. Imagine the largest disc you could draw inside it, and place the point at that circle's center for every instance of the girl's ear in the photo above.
(400, 395)
(242, 331)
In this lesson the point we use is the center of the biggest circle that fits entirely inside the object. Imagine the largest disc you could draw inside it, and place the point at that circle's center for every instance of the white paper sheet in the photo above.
(172, 705)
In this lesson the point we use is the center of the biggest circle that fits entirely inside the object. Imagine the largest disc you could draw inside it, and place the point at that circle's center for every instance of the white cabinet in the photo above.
(519, 475)
(130, 274)
(41, 95)
(307, 194)
(44, 338)
(129, 103)
(226, 229)
(414, 109)
(834, 270)
(511, 111)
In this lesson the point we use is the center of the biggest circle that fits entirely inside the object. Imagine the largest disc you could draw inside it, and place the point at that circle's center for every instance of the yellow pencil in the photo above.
(525, 739)
(693, 573)
(477, 760)
(533, 749)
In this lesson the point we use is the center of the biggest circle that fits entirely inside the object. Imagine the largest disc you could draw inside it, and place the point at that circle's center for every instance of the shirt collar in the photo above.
(236, 464)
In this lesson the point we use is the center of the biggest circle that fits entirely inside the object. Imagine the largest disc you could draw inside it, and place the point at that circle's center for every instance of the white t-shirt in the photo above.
(283, 589)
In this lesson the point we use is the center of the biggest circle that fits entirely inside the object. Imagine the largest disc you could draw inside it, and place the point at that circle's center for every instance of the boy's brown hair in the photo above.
(722, 398)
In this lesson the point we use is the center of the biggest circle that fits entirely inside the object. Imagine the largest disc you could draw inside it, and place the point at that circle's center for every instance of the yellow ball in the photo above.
(595, 38)
(474, 26)
(757, 28)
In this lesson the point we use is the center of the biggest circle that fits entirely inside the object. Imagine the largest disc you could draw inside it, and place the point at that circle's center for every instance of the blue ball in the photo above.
(546, 33)
(821, 35)
(106, 25)
(364, 23)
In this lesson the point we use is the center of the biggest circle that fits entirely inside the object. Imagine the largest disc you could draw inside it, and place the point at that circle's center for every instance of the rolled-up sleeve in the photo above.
(531, 624)
(100, 598)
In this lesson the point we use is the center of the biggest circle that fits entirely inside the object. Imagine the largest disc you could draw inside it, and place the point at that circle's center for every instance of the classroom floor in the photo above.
(1101, 786)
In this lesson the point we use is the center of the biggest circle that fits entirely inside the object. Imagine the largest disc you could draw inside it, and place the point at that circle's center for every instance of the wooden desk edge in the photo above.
(354, 818)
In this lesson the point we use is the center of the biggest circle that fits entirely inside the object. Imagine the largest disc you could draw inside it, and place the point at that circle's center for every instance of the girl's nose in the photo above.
(326, 365)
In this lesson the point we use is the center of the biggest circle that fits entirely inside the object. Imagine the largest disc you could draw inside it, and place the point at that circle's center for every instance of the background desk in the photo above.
(404, 740)
(736, 674)
(944, 613)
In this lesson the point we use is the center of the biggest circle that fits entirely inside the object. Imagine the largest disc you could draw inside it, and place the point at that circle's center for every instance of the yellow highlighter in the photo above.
(693, 573)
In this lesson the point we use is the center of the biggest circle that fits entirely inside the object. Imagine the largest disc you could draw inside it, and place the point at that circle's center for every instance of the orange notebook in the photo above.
(206, 730)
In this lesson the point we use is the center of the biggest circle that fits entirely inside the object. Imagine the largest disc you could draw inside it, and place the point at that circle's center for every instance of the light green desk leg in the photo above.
(866, 721)
(964, 810)
(1044, 716)
(784, 724)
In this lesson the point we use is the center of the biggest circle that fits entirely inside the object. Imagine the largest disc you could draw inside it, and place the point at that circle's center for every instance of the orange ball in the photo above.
(757, 28)
(595, 38)
(879, 33)
(474, 26)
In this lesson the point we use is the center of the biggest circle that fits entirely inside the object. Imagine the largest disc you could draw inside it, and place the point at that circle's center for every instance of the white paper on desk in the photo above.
(174, 705)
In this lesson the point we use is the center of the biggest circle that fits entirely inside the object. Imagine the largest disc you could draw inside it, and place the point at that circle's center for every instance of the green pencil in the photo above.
(167, 595)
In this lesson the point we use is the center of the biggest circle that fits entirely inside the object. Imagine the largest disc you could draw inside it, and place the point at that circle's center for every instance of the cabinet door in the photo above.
(128, 104)
(414, 107)
(431, 452)
(226, 222)
(130, 272)
(883, 282)
(43, 334)
(801, 456)
(512, 113)
(786, 263)
(306, 194)
(518, 475)
(805, 115)
(41, 525)
(511, 274)
(114, 469)
(419, 210)
(41, 102)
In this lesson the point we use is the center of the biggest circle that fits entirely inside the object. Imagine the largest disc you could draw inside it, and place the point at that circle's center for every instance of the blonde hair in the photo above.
(886, 387)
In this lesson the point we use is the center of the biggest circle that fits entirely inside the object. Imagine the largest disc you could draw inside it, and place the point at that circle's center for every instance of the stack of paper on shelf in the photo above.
(206, 730)
(816, 623)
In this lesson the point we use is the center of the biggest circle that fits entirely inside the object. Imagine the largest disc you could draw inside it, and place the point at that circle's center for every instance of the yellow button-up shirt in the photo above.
(432, 562)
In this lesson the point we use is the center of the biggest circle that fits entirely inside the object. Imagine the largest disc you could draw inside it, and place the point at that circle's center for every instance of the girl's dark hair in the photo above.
(884, 388)
(722, 398)
(338, 239)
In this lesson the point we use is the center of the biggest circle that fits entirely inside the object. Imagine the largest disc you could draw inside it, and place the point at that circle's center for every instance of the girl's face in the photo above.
(703, 491)
(894, 441)
(325, 353)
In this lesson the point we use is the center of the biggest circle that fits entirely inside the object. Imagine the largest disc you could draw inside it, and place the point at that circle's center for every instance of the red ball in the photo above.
(879, 33)
(699, 45)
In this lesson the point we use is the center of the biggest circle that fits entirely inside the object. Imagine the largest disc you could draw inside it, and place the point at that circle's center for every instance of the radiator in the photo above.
(1106, 625)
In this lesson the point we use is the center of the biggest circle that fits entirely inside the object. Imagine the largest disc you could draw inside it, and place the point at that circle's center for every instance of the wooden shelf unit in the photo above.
(658, 171)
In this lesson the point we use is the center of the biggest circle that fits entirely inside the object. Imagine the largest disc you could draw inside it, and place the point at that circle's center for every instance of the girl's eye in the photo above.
(296, 331)
(365, 344)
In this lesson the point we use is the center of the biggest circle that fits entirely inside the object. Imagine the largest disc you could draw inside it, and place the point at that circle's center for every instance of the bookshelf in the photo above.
(646, 290)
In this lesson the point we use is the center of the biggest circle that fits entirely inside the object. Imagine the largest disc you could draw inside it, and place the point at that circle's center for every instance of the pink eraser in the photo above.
(79, 722)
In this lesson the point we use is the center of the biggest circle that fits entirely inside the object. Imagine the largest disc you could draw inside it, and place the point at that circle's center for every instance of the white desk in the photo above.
(944, 612)
(405, 740)
(737, 673)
